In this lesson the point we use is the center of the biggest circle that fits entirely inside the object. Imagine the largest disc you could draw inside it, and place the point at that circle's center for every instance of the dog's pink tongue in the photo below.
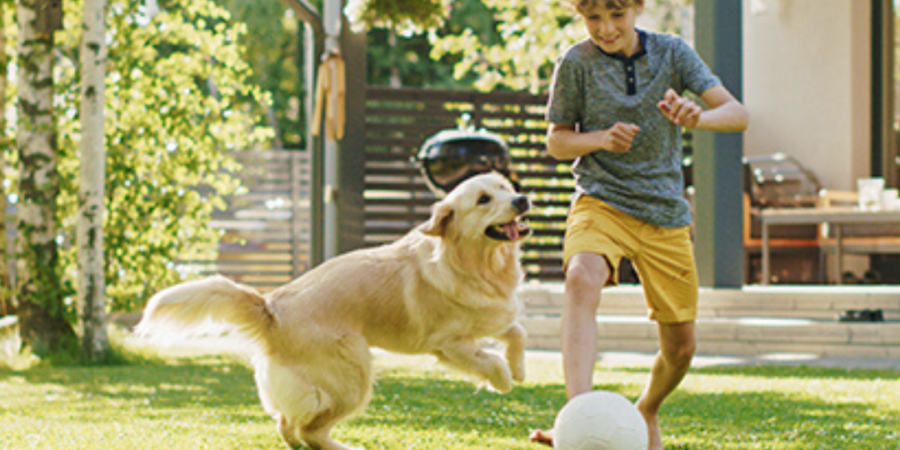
(512, 231)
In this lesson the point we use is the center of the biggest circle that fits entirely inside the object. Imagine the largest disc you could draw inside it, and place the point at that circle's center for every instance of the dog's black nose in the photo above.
(521, 203)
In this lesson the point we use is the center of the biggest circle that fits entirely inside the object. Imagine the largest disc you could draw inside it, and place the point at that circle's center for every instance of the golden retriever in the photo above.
(438, 290)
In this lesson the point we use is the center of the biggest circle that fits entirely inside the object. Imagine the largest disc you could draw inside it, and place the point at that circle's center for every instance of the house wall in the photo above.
(807, 76)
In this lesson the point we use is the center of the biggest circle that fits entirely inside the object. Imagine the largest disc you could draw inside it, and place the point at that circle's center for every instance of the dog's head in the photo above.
(484, 207)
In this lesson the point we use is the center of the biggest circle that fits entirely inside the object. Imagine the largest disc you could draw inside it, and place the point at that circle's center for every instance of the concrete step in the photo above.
(806, 302)
(746, 336)
(751, 321)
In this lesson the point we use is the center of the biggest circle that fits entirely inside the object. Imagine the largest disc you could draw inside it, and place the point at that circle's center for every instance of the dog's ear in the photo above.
(441, 214)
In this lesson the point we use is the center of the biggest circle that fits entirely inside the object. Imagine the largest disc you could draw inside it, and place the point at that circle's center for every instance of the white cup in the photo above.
(889, 198)
(869, 190)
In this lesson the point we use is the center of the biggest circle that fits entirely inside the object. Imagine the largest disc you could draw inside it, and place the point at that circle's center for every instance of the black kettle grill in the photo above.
(451, 156)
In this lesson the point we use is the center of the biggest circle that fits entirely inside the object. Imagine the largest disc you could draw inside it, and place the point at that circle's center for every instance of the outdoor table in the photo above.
(836, 217)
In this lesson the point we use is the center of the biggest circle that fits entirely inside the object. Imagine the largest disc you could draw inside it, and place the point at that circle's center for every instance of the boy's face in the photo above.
(613, 29)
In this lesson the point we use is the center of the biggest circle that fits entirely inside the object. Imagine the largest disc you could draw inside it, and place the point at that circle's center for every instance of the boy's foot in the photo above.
(542, 437)
(655, 435)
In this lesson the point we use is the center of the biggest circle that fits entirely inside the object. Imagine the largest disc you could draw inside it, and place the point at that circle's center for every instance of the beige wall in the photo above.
(806, 84)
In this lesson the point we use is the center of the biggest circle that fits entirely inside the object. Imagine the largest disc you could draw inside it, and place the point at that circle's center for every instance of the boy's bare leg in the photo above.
(677, 346)
(586, 274)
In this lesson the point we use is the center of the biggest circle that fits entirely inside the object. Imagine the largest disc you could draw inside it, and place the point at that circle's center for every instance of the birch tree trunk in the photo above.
(91, 282)
(6, 293)
(39, 289)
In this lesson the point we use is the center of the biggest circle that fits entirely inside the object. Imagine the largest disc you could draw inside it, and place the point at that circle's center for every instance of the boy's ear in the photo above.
(441, 214)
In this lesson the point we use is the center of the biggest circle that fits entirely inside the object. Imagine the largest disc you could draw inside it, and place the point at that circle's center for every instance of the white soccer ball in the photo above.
(599, 420)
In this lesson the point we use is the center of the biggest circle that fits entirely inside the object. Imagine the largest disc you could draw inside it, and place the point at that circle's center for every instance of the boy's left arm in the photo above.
(725, 113)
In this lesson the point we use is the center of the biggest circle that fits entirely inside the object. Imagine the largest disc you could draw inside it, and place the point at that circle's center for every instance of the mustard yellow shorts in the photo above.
(663, 257)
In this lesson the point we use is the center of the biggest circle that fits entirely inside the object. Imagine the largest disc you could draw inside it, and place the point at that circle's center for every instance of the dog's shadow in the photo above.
(437, 403)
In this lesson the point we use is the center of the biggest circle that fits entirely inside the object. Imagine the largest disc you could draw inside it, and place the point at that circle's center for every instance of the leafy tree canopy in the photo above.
(493, 44)
(408, 17)
(395, 59)
(532, 35)
(179, 104)
(272, 46)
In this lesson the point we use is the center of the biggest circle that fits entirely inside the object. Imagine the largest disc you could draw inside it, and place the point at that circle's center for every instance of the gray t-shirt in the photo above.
(595, 90)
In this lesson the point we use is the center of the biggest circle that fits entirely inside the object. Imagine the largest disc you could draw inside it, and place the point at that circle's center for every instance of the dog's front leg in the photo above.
(514, 338)
(465, 355)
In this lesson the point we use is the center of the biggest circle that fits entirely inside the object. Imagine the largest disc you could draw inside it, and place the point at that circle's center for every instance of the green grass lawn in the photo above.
(209, 402)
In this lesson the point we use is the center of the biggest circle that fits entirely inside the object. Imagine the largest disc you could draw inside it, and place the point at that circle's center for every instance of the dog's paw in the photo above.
(517, 368)
(516, 362)
(501, 380)
(504, 388)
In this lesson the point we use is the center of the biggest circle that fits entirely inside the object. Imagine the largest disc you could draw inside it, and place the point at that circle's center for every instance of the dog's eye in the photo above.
(484, 199)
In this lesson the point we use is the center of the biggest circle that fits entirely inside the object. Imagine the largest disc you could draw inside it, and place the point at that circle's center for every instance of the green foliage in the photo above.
(531, 36)
(404, 60)
(272, 47)
(178, 104)
(408, 17)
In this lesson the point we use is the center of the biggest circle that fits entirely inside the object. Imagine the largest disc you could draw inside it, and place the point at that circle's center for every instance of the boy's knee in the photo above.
(584, 276)
(582, 287)
(680, 353)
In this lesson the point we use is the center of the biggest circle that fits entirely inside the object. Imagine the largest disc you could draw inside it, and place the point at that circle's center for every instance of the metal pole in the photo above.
(717, 163)
(332, 18)
(310, 54)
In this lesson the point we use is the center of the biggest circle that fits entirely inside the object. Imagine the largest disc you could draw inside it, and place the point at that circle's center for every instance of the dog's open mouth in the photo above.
(511, 231)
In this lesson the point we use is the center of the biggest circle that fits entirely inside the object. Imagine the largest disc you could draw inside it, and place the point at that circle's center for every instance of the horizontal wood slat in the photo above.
(399, 121)
(265, 241)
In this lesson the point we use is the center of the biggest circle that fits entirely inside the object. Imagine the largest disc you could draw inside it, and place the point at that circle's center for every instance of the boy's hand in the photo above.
(619, 137)
(680, 110)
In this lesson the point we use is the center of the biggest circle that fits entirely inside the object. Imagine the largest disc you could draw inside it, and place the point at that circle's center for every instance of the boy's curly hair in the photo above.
(583, 6)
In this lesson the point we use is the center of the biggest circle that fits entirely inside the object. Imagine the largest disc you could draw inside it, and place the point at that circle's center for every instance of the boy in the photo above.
(616, 107)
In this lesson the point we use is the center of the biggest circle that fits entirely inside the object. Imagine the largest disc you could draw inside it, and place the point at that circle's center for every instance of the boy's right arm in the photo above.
(565, 143)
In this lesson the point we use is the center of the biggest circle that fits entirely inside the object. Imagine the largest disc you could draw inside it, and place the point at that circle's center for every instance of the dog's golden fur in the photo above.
(435, 291)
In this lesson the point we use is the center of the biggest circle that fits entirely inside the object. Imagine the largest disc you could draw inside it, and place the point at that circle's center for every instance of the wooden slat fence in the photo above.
(398, 121)
(266, 240)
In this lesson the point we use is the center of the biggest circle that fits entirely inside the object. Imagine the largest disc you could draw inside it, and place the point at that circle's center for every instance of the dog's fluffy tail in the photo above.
(201, 306)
